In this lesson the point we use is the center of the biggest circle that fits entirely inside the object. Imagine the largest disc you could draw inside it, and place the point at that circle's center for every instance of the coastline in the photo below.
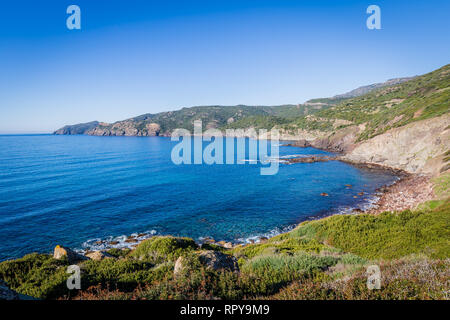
(405, 193)
(408, 191)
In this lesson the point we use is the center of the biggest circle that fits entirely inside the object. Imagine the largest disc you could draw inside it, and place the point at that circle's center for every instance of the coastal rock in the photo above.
(228, 245)
(60, 252)
(302, 143)
(263, 239)
(98, 255)
(219, 261)
(324, 194)
(180, 264)
(6, 293)
(406, 193)
(418, 147)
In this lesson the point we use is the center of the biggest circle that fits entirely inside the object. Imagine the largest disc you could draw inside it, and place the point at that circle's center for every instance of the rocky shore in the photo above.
(406, 193)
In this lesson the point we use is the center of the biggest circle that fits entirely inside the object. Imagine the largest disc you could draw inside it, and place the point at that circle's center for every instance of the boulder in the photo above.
(218, 261)
(60, 252)
(6, 293)
(263, 239)
(98, 255)
(228, 245)
(179, 266)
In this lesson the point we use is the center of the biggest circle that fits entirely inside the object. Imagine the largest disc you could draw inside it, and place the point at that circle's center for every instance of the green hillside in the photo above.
(423, 97)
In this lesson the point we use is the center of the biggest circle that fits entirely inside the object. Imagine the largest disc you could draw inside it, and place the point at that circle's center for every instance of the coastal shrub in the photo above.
(352, 259)
(194, 282)
(119, 253)
(388, 235)
(36, 275)
(441, 185)
(124, 274)
(159, 249)
(271, 272)
(279, 244)
(214, 247)
(401, 279)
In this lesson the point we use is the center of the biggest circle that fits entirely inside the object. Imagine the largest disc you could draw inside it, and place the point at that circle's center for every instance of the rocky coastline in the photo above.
(407, 192)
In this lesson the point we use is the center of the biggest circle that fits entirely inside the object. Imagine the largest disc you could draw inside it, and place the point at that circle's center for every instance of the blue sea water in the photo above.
(71, 189)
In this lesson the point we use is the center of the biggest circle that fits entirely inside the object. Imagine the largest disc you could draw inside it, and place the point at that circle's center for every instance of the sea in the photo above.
(89, 192)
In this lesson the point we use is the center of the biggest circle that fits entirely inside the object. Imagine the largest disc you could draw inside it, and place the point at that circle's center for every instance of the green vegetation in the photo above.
(423, 97)
(310, 262)
(386, 236)
(36, 275)
(379, 107)
(442, 185)
(160, 249)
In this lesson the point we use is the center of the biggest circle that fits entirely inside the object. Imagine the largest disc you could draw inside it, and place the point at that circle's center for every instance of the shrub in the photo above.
(388, 235)
(160, 249)
(36, 275)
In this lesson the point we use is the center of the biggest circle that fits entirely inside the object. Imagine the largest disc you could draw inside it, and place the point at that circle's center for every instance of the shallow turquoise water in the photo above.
(70, 189)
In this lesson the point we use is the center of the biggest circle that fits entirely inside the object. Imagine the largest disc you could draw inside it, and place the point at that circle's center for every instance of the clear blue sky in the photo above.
(134, 57)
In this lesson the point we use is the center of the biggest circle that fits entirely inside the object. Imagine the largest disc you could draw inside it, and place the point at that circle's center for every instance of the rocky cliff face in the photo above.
(125, 128)
(419, 147)
(81, 128)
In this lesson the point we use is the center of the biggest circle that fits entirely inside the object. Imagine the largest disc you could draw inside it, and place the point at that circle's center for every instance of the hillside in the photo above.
(240, 116)
(163, 123)
(401, 123)
(322, 259)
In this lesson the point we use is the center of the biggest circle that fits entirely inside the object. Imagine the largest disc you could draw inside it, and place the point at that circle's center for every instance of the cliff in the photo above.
(402, 123)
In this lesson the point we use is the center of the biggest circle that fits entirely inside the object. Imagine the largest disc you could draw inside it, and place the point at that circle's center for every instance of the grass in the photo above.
(386, 236)
(441, 185)
(159, 249)
(321, 259)
(404, 279)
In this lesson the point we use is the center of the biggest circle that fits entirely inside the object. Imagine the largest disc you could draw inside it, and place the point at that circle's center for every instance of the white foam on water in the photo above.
(119, 242)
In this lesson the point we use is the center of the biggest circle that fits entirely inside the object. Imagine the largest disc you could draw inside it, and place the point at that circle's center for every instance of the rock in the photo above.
(219, 261)
(179, 266)
(210, 240)
(6, 293)
(302, 143)
(113, 243)
(61, 252)
(263, 239)
(324, 194)
(228, 245)
(348, 185)
(98, 255)
(360, 193)
(131, 240)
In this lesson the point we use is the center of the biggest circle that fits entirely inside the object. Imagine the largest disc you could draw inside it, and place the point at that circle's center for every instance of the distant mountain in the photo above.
(163, 123)
(80, 128)
(366, 89)
(222, 117)
(356, 92)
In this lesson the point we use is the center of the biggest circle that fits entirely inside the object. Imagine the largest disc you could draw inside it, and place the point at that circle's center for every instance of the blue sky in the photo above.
(134, 57)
